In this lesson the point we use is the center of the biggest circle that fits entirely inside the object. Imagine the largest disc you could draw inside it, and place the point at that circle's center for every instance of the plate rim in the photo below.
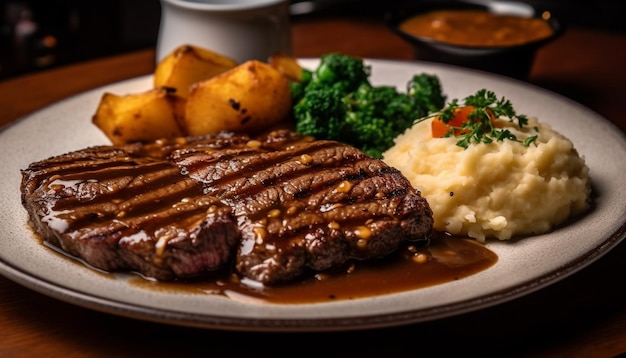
(361, 321)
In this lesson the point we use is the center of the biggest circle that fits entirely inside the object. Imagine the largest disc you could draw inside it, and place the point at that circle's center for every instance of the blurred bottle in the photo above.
(25, 47)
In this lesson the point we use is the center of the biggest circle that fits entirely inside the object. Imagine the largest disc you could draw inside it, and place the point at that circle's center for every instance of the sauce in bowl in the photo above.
(477, 28)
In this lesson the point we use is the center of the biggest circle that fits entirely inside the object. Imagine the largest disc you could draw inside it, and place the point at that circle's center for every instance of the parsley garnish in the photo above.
(479, 127)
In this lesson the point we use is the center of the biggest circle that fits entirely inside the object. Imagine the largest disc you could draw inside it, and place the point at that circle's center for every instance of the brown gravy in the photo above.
(446, 259)
(477, 28)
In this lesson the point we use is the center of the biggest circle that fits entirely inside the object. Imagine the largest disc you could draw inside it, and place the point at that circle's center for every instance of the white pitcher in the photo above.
(240, 29)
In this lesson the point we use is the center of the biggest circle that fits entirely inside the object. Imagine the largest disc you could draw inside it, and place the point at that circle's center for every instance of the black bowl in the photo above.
(513, 61)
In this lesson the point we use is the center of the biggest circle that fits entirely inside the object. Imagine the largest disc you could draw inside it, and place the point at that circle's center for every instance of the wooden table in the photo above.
(583, 315)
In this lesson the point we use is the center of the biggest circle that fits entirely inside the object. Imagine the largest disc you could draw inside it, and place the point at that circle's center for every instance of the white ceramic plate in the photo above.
(523, 267)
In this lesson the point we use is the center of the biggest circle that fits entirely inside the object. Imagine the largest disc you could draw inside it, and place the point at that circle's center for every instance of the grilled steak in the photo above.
(273, 206)
(118, 209)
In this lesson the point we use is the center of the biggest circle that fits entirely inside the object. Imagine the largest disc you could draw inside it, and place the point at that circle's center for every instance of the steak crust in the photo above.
(273, 206)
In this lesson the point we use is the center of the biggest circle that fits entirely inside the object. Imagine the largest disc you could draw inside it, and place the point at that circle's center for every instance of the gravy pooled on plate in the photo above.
(413, 267)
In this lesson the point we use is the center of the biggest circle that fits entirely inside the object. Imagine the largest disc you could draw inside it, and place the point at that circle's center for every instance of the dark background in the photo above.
(66, 31)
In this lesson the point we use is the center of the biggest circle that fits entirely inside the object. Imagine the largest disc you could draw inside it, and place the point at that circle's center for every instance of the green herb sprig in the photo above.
(479, 127)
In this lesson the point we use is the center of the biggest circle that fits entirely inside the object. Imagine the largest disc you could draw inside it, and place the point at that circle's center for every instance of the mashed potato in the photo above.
(499, 190)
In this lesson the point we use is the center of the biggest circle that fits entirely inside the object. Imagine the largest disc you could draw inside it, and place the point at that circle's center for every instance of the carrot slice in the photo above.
(440, 129)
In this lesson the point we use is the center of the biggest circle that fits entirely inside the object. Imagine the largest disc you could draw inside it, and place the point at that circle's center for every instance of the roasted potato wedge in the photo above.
(145, 116)
(187, 65)
(287, 65)
(248, 98)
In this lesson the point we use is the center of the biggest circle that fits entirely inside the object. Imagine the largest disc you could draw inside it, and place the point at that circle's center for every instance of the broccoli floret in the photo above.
(426, 89)
(319, 108)
(347, 72)
(299, 87)
(373, 135)
(336, 101)
(320, 113)
(376, 115)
